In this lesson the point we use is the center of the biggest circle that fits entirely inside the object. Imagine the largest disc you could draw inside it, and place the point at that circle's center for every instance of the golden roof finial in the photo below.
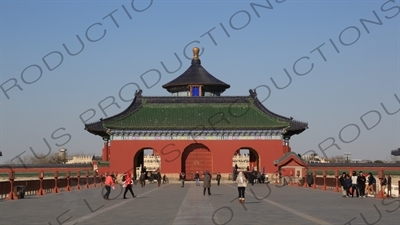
(196, 52)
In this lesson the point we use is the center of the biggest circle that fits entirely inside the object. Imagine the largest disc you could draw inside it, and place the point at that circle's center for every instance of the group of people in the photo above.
(127, 183)
(241, 182)
(252, 177)
(256, 177)
(206, 180)
(143, 177)
(363, 185)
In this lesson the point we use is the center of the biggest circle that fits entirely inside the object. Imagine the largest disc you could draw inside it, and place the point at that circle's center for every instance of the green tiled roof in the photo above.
(196, 115)
(191, 113)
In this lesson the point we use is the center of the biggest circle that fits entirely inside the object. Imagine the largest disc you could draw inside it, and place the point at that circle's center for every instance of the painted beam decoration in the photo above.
(197, 135)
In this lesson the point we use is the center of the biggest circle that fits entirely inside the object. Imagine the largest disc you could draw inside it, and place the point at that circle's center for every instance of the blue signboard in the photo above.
(195, 91)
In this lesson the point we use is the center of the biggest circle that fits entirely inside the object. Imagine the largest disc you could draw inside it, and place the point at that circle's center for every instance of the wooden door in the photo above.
(196, 159)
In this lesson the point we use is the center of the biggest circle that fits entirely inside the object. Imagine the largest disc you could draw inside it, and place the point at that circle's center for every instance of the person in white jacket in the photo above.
(354, 185)
(241, 184)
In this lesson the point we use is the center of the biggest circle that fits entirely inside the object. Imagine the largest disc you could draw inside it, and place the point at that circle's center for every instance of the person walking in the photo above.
(143, 179)
(109, 184)
(251, 177)
(182, 177)
(241, 185)
(354, 185)
(218, 178)
(371, 183)
(258, 178)
(342, 181)
(159, 178)
(206, 183)
(197, 178)
(389, 186)
(310, 180)
(347, 185)
(361, 184)
(128, 185)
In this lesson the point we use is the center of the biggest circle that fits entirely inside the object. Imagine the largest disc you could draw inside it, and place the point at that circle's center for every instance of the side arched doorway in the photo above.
(146, 160)
(196, 157)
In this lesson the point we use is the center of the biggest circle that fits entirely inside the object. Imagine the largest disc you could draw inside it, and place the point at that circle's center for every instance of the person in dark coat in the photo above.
(251, 178)
(361, 184)
(218, 178)
(371, 183)
(342, 181)
(182, 178)
(310, 179)
(197, 178)
(159, 178)
(206, 183)
(143, 179)
(389, 186)
(348, 185)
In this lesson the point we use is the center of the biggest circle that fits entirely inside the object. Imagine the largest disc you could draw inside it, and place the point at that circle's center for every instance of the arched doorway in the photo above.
(146, 160)
(196, 157)
(246, 159)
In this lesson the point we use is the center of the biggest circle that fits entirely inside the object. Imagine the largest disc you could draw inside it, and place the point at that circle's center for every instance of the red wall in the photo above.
(122, 153)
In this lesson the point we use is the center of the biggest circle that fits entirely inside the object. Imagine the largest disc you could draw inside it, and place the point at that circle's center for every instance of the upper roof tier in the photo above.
(196, 75)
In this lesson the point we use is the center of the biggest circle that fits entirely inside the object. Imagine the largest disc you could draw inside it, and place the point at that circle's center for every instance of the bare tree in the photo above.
(337, 159)
(38, 159)
(393, 159)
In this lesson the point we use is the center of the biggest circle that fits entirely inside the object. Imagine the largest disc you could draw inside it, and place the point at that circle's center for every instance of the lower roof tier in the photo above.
(196, 113)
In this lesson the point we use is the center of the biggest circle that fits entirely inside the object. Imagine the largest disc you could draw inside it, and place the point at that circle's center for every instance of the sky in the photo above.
(332, 64)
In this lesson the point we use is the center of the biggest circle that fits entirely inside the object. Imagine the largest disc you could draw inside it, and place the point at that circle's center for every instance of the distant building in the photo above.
(62, 154)
(242, 161)
(82, 159)
(314, 158)
(152, 162)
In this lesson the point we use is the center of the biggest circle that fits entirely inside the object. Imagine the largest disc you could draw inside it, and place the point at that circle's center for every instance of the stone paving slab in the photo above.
(171, 204)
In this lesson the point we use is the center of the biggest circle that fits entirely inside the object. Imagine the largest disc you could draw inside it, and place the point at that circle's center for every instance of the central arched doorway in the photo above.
(196, 157)
(146, 160)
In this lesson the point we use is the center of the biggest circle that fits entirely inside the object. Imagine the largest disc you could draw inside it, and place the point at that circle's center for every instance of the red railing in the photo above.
(42, 185)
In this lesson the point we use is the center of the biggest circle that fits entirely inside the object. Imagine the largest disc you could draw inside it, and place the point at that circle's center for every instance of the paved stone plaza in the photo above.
(172, 204)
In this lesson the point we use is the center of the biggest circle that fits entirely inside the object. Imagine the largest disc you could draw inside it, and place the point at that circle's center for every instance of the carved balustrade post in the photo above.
(336, 189)
(68, 188)
(315, 179)
(324, 176)
(56, 189)
(12, 195)
(41, 191)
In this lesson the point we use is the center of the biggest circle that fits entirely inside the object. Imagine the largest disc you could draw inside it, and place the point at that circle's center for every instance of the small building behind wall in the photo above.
(195, 129)
(290, 165)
